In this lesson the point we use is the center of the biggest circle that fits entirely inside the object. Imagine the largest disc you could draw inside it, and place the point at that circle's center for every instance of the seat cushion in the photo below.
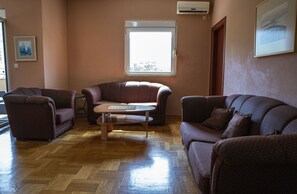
(196, 132)
(64, 114)
(199, 156)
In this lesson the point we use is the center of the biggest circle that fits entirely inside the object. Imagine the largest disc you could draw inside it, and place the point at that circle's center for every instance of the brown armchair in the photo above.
(41, 114)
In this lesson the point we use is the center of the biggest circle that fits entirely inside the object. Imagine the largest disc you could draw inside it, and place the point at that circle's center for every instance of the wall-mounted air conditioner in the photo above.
(193, 7)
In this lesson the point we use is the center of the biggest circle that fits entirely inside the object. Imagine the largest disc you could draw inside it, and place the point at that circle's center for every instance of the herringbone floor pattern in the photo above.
(79, 162)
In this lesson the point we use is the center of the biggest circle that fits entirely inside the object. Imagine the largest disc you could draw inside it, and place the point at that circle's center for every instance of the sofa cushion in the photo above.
(238, 126)
(130, 91)
(199, 156)
(219, 118)
(277, 118)
(258, 106)
(196, 132)
(64, 114)
(291, 128)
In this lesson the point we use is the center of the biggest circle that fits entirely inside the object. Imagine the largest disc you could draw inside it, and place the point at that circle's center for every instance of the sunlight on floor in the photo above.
(6, 154)
(6, 161)
(155, 176)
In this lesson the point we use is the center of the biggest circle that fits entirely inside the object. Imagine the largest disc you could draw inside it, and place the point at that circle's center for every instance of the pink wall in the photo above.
(96, 45)
(24, 19)
(273, 76)
(54, 28)
(94, 50)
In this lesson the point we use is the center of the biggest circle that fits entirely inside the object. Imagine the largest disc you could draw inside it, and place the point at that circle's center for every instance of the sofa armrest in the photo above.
(93, 94)
(192, 108)
(198, 108)
(62, 98)
(163, 94)
(257, 164)
(254, 150)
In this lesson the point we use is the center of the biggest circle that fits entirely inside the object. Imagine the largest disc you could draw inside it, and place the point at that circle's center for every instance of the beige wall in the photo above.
(96, 45)
(273, 76)
(54, 28)
(24, 19)
(46, 20)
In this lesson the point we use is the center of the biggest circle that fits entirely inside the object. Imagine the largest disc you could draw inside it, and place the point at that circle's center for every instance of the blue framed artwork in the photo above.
(275, 27)
(25, 48)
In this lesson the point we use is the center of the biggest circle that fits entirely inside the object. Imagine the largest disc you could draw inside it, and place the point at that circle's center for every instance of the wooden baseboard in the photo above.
(178, 117)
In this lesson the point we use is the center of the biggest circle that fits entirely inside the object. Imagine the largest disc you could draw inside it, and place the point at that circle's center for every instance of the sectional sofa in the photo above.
(264, 160)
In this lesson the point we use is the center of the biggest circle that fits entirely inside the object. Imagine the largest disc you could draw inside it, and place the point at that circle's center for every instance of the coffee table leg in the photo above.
(103, 128)
(146, 122)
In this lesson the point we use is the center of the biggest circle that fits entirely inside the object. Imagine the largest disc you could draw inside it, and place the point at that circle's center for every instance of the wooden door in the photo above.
(217, 58)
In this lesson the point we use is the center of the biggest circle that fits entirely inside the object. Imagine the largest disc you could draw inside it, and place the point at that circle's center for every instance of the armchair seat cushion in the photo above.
(64, 114)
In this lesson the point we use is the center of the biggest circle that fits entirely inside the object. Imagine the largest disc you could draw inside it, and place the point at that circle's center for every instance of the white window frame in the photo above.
(150, 26)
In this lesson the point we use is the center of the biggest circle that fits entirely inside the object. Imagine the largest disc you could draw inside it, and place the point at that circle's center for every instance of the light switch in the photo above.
(16, 65)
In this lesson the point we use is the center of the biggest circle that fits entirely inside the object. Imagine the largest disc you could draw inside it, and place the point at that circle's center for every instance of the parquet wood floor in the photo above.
(79, 162)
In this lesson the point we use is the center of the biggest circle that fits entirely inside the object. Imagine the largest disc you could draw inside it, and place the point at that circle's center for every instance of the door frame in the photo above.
(214, 29)
(5, 55)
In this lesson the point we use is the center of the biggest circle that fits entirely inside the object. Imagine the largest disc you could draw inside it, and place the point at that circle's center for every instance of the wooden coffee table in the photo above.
(116, 114)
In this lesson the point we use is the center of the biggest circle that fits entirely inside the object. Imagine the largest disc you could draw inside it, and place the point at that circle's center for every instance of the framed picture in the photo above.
(25, 48)
(275, 27)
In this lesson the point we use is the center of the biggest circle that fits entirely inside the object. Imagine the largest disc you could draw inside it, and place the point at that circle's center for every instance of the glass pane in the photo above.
(2, 59)
(150, 51)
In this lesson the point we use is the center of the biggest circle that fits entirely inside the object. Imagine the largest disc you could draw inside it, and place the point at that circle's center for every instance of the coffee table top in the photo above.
(120, 108)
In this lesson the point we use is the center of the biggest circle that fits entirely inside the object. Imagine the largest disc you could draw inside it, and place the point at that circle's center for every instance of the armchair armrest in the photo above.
(31, 116)
(198, 108)
(62, 98)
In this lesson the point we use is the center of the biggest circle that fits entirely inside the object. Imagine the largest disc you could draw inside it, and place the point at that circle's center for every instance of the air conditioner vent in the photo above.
(193, 7)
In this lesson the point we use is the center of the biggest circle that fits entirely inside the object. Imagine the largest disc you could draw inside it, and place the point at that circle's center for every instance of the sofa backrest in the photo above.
(267, 114)
(130, 91)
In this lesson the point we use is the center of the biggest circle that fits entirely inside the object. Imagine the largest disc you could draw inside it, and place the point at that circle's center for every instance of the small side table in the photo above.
(80, 104)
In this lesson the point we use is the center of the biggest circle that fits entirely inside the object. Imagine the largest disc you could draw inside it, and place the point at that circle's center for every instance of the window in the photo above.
(150, 48)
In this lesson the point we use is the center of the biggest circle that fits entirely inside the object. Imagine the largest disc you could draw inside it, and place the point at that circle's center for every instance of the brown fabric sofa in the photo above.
(129, 92)
(40, 114)
(257, 163)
